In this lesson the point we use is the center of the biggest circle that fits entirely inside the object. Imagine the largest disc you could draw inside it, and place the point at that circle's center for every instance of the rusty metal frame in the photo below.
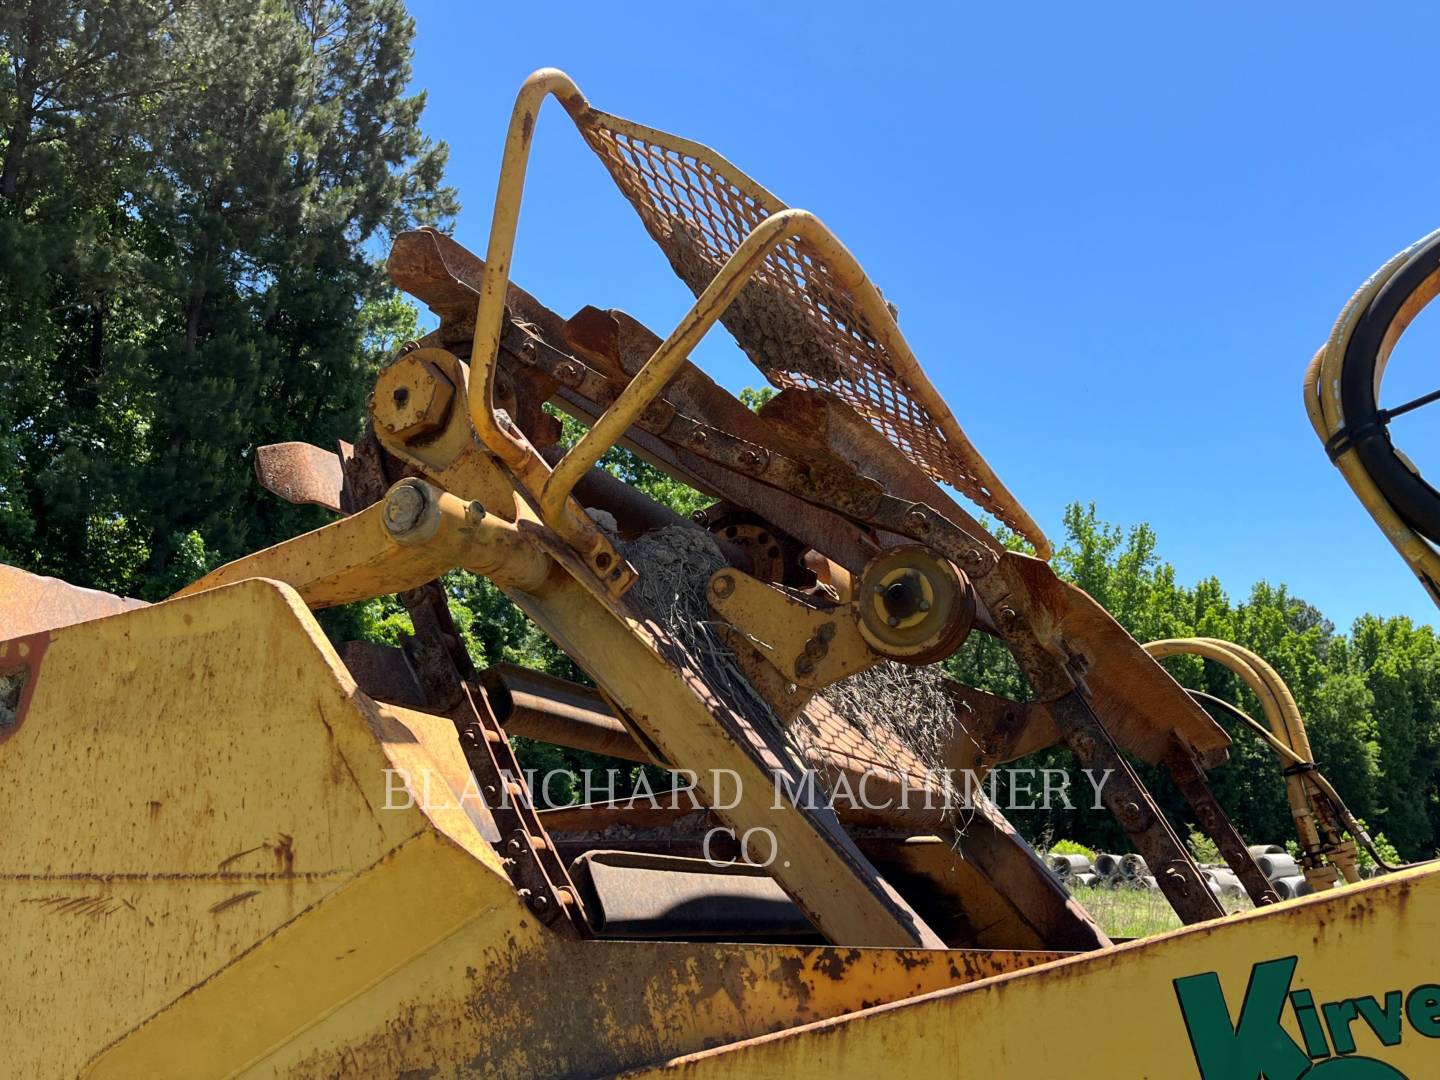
(1016, 597)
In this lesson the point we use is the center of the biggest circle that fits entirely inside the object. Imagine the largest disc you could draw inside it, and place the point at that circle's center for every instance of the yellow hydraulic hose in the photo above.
(1314, 804)
(1324, 405)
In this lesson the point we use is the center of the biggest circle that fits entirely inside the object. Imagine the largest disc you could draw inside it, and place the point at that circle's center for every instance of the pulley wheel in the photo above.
(915, 607)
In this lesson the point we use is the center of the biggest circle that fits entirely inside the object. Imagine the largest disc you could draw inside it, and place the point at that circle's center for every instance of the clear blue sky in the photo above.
(1115, 233)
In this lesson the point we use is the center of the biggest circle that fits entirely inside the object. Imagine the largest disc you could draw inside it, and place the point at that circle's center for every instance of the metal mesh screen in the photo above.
(796, 322)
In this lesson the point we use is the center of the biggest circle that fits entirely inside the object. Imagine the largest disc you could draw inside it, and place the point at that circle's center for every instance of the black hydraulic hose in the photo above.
(1417, 503)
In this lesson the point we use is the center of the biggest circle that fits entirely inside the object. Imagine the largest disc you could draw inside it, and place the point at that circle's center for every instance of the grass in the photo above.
(1132, 913)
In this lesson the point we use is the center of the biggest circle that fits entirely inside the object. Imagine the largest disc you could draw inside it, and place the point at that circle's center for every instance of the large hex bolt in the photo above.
(405, 506)
(412, 397)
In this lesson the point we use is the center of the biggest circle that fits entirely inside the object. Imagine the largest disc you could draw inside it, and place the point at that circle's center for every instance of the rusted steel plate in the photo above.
(434, 268)
(383, 672)
(300, 473)
(30, 603)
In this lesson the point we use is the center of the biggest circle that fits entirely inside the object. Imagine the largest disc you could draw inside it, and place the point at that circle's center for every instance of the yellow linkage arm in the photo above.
(415, 534)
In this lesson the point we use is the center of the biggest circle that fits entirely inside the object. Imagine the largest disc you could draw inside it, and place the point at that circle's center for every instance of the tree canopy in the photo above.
(192, 198)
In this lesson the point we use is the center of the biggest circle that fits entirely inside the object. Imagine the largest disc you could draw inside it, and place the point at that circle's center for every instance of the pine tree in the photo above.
(194, 240)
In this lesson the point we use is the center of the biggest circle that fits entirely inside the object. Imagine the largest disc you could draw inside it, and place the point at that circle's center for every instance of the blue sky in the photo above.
(1115, 233)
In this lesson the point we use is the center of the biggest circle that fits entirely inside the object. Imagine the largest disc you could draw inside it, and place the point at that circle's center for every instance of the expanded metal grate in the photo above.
(798, 324)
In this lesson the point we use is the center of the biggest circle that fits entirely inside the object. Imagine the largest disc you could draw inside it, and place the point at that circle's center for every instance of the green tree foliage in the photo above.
(192, 193)
(753, 398)
(1369, 697)
(1070, 847)
(1205, 850)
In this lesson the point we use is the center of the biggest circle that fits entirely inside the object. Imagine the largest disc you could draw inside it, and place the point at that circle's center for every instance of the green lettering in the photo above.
(1339, 1015)
(1310, 1027)
(1422, 1009)
(1385, 1023)
(1256, 1044)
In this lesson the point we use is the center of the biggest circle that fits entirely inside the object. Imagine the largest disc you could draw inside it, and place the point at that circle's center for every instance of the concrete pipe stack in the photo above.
(1277, 865)
(1288, 888)
(1222, 881)
(1064, 866)
(1106, 865)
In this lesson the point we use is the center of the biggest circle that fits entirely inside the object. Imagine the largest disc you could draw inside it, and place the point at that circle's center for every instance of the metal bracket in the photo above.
(809, 645)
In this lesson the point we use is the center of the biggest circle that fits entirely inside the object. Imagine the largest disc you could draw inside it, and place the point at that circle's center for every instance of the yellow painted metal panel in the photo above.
(421, 965)
(186, 779)
(382, 921)
(1367, 951)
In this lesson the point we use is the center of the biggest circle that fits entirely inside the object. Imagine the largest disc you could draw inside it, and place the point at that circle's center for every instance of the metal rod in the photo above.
(552, 710)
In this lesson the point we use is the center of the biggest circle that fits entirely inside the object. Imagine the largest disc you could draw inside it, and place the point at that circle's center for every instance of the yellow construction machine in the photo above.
(231, 847)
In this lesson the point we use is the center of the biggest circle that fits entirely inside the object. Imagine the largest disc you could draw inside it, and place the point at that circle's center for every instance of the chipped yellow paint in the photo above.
(1116, 1012)
(187, 778)
(499, 996)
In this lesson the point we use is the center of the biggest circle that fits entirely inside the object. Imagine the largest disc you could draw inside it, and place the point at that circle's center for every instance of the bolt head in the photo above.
(405, 506)
(413, 396)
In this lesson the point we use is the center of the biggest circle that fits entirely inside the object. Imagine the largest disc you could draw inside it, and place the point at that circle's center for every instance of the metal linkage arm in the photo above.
(415, 534)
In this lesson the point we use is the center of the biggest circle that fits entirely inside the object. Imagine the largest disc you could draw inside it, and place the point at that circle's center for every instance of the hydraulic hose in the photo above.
(1316, 807)
(1342, 387)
